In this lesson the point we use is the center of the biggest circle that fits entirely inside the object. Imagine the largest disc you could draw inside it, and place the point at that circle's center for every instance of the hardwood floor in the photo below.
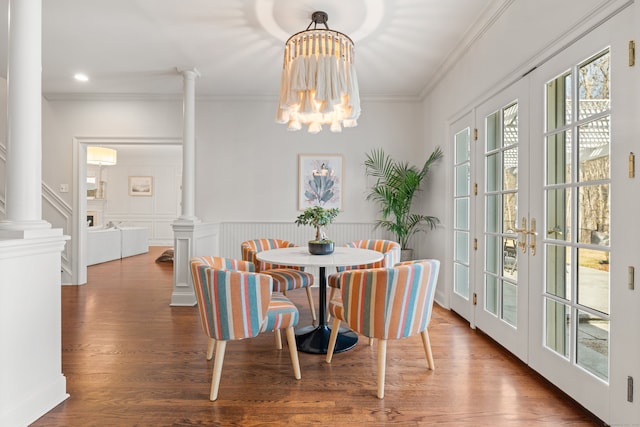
(132, 360)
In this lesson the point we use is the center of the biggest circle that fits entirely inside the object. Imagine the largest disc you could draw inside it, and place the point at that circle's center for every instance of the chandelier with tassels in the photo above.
(318, 84)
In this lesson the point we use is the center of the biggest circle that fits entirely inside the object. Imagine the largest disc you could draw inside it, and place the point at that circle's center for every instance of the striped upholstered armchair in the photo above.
(386, 303)
(389, 248)
(199, 284)
(285, 278)
(235, 305)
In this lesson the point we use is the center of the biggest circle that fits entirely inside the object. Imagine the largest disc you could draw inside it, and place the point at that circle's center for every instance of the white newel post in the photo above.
(185, 227)
(31, 379)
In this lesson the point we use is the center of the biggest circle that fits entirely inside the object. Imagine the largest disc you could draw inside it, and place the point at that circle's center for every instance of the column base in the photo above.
(27, 230)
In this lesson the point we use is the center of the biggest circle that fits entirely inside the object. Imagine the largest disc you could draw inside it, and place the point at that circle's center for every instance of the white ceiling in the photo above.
(135, 46)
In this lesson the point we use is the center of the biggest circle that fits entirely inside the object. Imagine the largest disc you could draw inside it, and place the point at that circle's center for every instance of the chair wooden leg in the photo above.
(210, 347)
(332, 339)
(370, 342)
(217, 370)
(427, 349)
(293, 351)
(382, 362)
(278, 338)
(333, 291)
(311, 305)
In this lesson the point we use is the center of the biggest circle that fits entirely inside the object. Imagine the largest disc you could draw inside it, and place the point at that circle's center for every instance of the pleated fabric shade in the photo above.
(318, 83)
(101, 156)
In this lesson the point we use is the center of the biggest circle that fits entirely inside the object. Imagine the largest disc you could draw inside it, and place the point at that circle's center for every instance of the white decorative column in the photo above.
(24, 137)
(185, 227)
(189, 145)
(31, 380)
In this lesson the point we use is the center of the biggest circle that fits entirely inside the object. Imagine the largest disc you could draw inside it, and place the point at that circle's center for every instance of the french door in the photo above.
(463, 220)
(502, 159)
(579, 307)
(534, 197)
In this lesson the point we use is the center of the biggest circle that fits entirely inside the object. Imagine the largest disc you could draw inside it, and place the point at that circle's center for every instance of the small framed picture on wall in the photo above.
(140, 185)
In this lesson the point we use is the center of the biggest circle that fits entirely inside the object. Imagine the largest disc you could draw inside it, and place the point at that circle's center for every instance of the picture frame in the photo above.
(140, 185)
(320, 180)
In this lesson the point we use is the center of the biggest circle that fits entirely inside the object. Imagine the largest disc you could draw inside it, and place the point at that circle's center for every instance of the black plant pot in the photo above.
(320, 248)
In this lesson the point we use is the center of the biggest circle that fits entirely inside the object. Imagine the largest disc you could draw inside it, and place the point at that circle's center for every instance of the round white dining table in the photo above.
(315, 339)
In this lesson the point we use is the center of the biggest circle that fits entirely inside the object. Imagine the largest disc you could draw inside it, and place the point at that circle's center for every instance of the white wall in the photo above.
(155, 212)
(246, 164)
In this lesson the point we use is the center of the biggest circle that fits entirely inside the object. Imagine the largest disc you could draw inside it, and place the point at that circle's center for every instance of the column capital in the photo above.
(189, 73)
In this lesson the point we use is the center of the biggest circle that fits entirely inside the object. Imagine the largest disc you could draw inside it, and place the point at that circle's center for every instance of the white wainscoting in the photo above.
(232, 234)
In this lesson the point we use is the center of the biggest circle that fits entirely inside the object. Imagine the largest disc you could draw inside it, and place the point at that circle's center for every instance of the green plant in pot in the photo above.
(395, 187)
(319, 217)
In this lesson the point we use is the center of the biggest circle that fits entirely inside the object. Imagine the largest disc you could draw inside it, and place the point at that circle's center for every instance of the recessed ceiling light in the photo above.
(81, 77)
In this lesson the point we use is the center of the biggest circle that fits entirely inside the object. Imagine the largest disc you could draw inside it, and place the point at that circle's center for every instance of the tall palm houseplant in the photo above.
(396, 185)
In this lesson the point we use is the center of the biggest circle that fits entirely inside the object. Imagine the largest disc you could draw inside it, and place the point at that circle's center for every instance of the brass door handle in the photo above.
(533, 234)
(522, 240)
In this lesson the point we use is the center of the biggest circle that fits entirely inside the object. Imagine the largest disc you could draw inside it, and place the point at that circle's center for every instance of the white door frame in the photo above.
(79, 229)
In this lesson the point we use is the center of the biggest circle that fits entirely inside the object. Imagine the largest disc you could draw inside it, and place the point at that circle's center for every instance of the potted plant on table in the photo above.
(396, 185)
(319, 217)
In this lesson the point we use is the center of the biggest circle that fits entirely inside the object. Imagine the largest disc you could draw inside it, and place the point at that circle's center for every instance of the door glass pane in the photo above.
(557, 331)
(510, 124)
(510, 257)
(559, 214)
(462, 180)
(491, 294)
(492, 215)
(510, 173)
(462, 246)
(593, 87)
(559, 271)
(509, 303)
(593, 279)
(462, 213)
(493, 131)
(594, 150)
(592, 352)
(491, 263)
(593, 214)
(462, 146)
(493, 172)
(559, 158)
(559, 93)
(461, 278)
(509, 213)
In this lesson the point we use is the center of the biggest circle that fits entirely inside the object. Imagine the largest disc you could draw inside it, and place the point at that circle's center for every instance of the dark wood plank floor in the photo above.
(132, 360)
